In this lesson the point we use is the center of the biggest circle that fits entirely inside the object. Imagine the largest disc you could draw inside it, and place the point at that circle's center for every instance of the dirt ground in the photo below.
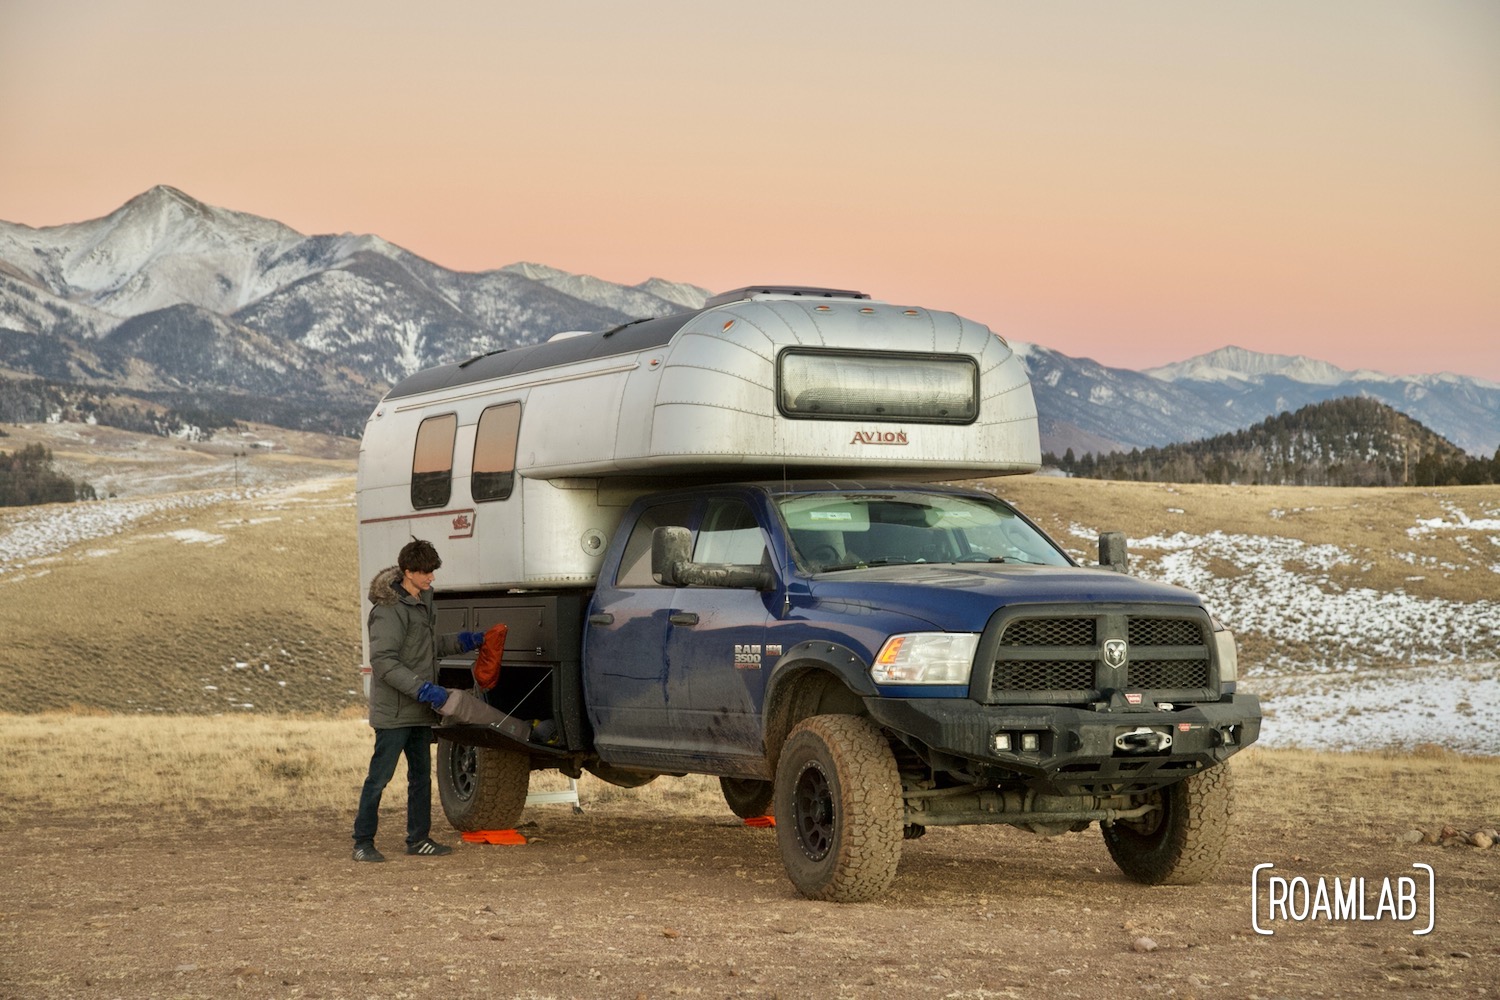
(600, 905)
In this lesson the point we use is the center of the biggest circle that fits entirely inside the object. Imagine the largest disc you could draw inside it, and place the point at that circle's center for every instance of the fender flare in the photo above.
(812, 678)
(822, 654)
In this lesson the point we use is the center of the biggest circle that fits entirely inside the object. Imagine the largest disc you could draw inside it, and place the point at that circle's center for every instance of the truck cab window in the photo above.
(495, 453)
(729, 534)
(432, 461)
(635, 562)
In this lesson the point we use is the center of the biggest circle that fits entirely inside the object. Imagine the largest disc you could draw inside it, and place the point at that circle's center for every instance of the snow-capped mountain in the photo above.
(1236, 364)
(1244, 386)
(1089, 407)
(177, 301)
(170, 295)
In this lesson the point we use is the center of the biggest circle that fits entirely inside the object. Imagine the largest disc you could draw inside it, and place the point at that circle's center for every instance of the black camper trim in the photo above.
(640, 335)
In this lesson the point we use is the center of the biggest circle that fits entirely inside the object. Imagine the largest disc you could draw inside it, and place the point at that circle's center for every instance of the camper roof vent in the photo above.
(740, 294)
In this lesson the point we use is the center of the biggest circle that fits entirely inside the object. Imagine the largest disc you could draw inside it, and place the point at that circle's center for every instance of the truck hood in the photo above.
(961, 597)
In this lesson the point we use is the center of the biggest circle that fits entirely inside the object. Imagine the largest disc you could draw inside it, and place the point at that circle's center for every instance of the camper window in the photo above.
(432, 461)
(495, 453)
(864, 385)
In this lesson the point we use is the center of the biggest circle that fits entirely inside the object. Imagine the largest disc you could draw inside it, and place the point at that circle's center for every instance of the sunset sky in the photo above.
(1132, 182)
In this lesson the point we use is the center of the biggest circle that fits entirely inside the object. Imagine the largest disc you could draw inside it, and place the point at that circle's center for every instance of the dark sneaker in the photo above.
(367, 852)
(429, 847)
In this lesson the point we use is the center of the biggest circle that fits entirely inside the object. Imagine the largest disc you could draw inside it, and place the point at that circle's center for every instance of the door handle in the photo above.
(684, 618)
(604, 618)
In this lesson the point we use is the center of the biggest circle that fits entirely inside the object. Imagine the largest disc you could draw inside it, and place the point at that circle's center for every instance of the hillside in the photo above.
(1342, 442)
(233, 587)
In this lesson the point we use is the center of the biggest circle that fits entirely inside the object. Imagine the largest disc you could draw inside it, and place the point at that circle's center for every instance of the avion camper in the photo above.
(720, 547)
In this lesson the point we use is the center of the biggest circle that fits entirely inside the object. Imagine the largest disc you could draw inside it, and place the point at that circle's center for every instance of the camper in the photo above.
(720, 546)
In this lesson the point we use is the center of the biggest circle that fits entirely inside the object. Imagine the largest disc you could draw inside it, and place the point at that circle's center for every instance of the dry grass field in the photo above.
(1374, 526)
(105, 768)
(247, 599)
(184, 743)
(180, 856)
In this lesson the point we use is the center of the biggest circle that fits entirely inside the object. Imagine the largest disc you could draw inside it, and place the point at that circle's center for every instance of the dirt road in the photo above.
(600, 905)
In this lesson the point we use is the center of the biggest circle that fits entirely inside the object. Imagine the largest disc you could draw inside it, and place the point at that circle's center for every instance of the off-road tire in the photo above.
(482, 788)
(1183, 842)
(748, 797)
(839, 809)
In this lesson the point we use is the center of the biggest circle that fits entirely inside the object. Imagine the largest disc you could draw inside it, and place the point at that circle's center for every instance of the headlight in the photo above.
(1229, 659)
(926, 658)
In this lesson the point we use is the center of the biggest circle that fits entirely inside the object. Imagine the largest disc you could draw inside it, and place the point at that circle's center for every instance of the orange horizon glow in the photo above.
(1135, 184)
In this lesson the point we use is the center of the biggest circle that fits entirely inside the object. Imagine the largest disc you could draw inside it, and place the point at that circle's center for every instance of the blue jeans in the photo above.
(390, 744)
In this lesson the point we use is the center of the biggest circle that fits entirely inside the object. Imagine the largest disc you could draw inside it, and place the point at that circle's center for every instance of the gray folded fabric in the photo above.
(462, 708)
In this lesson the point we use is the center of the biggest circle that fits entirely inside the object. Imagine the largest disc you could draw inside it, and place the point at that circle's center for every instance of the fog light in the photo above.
(1031, 742)
(1001, 742)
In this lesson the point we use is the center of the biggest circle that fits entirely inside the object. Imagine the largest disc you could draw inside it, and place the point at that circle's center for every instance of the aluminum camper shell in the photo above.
(762, 382)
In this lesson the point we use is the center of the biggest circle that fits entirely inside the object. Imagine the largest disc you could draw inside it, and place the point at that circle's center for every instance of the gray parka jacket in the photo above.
(404, 650)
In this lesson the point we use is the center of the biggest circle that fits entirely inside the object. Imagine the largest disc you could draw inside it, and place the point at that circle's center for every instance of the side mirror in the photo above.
(1113, 552)
(672, 564)
(671, 549)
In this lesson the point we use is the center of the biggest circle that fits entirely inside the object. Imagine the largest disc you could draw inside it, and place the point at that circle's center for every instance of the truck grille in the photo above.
(1061, 658)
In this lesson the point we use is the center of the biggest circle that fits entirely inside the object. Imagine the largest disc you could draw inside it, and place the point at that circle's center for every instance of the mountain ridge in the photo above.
(325, 307)
(1349, 441)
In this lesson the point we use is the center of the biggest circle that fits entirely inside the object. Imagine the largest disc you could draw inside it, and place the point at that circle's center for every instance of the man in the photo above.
(404, 651)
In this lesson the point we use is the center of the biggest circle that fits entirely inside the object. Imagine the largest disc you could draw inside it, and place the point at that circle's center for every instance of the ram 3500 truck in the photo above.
(865, 654)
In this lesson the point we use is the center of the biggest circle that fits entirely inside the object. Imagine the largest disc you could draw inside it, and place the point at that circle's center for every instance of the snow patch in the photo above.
(1455, 706)
(192, 536)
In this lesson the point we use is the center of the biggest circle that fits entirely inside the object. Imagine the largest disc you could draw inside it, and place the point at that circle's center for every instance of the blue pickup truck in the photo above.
(864, 655)
(866, 660)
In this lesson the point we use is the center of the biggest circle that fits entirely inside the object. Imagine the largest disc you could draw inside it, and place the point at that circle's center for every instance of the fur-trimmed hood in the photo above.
(385, 586)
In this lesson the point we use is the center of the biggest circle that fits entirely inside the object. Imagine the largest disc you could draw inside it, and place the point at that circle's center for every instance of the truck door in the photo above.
(715, 639)
(628, 690)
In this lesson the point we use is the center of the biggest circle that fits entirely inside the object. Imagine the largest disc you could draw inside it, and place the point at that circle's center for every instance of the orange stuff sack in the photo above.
(487, 663)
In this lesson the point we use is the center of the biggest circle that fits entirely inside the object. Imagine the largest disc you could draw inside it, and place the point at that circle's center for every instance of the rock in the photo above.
(1483, 841)
(1429, 837)
(669, 932)
(1410, 837)
(1144, 945)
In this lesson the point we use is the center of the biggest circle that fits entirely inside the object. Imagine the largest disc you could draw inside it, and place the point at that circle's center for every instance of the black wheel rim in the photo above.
(464, 769)
(812, 812)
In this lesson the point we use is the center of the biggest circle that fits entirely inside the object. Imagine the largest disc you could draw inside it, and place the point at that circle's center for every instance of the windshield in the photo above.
(835, 531)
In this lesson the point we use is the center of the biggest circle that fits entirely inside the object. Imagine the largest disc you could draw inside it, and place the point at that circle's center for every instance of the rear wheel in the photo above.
(482, 788)
(1183, 841)
(839, 809)
(747, 797)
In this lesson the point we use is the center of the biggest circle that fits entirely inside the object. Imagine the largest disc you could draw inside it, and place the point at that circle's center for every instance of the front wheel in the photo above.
(482, 788)
(839, 809)
(1183, 841)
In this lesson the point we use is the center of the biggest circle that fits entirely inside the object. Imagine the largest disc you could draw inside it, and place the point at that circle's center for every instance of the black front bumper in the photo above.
(1079, 749)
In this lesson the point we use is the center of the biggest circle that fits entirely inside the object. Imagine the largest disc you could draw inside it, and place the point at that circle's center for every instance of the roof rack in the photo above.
(740, 294)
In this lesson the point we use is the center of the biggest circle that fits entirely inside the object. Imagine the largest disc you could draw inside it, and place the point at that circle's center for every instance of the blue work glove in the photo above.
(470, 641)
(432, 694)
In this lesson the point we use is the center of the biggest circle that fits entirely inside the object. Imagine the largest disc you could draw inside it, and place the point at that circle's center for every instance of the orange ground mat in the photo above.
(761, 821)
(494, 837)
